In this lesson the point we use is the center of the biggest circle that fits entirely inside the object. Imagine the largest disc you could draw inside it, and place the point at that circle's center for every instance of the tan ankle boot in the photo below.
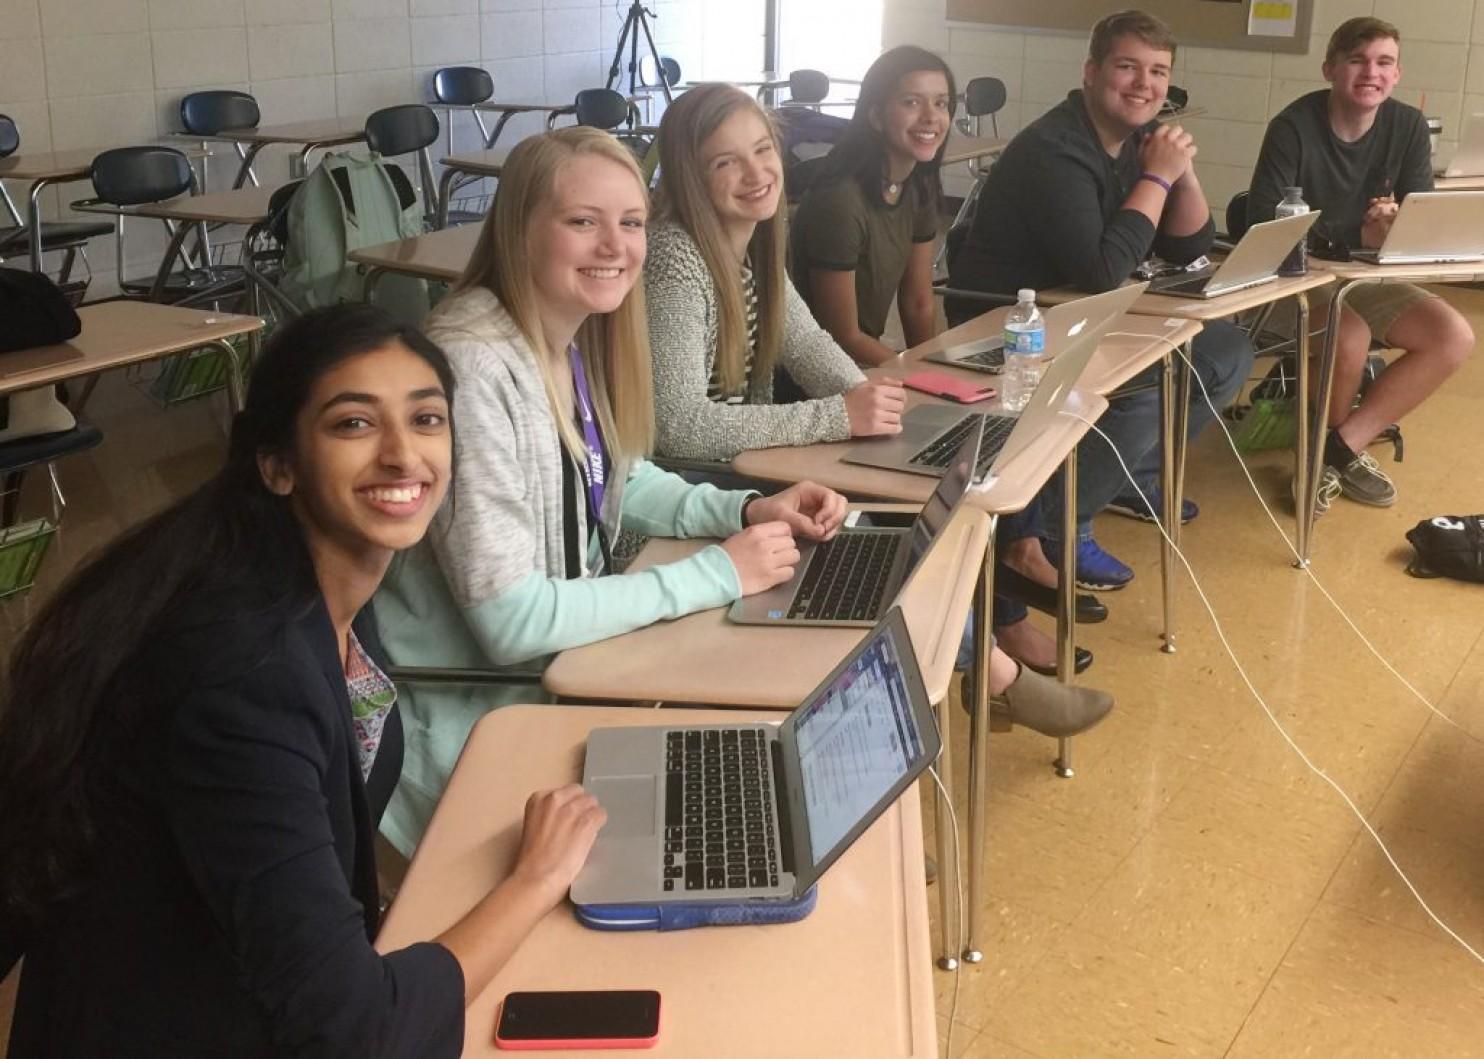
(1050, 707)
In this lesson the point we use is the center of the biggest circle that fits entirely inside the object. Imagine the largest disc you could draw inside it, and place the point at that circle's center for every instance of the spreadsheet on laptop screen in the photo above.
(855, 740)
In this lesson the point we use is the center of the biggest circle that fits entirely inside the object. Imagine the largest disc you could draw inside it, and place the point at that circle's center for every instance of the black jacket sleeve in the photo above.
(1183, 249)
(1277, 168)
(1416, 162)
(245, 778)
(1062, 192)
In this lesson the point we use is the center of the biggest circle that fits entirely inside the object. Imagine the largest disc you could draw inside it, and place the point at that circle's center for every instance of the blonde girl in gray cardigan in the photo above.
(722, 311)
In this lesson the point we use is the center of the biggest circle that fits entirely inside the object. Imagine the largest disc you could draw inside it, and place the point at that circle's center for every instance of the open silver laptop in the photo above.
(852, 578)
(1064, 322)
(1431, 228)
(736, 814)
(1254, 260)
(1468, 160)
(931, 433)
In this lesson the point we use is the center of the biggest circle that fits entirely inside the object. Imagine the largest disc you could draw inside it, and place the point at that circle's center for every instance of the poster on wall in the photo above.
(1272, 18)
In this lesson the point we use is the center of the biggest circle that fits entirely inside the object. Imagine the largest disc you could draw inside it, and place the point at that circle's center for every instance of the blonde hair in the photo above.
(614, 346)
(684, 198)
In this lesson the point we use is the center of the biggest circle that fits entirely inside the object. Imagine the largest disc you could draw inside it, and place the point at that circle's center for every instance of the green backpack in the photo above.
(348, 203)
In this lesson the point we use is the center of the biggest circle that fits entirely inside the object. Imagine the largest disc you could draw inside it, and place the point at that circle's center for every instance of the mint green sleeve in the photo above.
(540, 615)
(657, 503)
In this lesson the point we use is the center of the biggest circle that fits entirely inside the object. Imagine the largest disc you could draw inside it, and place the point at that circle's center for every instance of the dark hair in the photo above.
(1355, 32)
(860, 154)
(74, 689)
(1131, 23)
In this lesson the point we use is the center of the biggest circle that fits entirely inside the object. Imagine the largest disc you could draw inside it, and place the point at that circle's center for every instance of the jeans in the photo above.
(1222, 355)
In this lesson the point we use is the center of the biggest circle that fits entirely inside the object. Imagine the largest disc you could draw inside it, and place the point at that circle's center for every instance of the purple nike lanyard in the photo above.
(596, 472)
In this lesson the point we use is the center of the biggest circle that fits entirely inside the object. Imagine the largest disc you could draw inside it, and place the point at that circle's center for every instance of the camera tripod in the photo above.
(634, 23)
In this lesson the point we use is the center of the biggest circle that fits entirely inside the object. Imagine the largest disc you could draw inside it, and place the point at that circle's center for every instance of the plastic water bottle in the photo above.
(1025, 352)
(1293, 204)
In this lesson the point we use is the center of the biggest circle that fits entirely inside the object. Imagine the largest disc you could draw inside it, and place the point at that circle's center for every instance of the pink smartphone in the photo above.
(594, 1019)
(963, 391)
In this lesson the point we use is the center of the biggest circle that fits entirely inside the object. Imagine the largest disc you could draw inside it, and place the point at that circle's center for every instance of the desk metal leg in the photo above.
(979, 744)
(445, 193)
(33, 213)
(1066, 601)
(236, 390)
(1321, 416)
(947, 864)
(245, 171)
(1171, 506)
(1303, 521)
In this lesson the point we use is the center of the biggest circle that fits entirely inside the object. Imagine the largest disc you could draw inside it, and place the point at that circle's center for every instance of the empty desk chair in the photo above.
(603, 108)
(215, 112)
(464, 86)
(410, 128)
(135, 176)
(984, 97)
(67, 236)
(806, 88)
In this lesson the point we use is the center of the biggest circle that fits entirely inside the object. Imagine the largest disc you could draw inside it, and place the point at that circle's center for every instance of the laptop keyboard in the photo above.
(940, 451)
(718, 789)
(846, 578)
(986, 358)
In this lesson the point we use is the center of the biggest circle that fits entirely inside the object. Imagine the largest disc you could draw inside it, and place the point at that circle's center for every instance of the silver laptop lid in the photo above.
(950, 492)
(1261, 250)
(854, 745)
(1056, 387)
(1468, 159)
(1436, 226)
(1064, 322)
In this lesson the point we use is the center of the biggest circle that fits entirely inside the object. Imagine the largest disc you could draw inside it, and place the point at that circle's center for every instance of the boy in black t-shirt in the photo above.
(1356, 153)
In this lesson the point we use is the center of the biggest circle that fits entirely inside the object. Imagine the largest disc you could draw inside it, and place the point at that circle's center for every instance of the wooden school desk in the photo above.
(851, 979)
(1349, 275)
(120, 333)
(43, 169)
(308, 136)
(441, 255)
(1458, 183)
(706, 658)
(1011, 492)
(487, 163)
(1176, 392)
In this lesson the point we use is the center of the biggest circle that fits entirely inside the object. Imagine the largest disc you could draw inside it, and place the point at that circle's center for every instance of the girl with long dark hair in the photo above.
(198, 738)
(864, 233)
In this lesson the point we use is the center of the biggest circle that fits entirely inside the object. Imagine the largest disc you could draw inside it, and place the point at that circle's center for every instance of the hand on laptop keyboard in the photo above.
(764, 555)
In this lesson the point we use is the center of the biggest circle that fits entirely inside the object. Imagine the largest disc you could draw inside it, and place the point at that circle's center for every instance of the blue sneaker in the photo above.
(1097, 571)
(1130, 505)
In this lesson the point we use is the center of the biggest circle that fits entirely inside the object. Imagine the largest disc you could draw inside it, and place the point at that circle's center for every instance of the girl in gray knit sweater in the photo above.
(722, 312)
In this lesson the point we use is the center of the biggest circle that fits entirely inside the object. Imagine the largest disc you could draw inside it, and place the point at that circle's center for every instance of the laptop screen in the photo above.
(939, 509)
(855, 740)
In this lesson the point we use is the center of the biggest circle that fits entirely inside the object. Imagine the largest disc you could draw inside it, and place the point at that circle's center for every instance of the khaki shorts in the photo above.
(1380, 305)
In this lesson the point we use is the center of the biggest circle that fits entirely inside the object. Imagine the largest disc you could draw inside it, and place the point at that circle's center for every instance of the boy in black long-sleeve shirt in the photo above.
(1081, 196)
(1356, 153)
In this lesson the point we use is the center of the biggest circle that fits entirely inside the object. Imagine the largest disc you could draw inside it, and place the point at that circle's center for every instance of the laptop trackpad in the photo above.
(630, 804)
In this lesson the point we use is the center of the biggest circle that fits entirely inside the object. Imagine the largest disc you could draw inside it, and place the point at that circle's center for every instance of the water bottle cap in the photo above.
(1026, 294)
(1293, 193)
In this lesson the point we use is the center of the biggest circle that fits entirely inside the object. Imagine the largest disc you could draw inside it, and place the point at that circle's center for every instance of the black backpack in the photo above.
(33, 311)
(1448, 546)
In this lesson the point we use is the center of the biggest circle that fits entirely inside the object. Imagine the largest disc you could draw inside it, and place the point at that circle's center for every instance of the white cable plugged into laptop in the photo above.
(1271, 716)
(961, 942)
(1304, 566)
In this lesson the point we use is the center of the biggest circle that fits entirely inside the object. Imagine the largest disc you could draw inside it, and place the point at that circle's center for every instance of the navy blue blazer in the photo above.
(235, 897)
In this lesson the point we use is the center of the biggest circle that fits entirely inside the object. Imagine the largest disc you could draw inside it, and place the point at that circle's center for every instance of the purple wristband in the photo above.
(1155, 178)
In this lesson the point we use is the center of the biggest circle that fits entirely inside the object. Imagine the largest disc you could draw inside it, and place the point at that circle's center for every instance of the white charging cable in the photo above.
(1251, 687)
(1298, 559)
(958, 876)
